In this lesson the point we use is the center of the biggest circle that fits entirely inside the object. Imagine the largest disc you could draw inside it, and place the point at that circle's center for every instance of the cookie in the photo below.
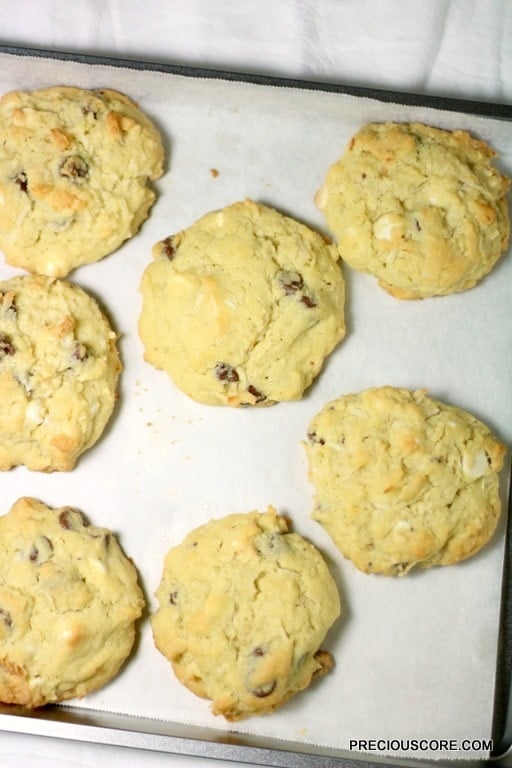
(244, 608)
(243, 307)
(59, 369)
(74, 171)
(403, 480)
(420, 208)
(69, 600)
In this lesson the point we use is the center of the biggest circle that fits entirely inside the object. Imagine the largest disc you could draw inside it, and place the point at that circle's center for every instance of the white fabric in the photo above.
(460, 48)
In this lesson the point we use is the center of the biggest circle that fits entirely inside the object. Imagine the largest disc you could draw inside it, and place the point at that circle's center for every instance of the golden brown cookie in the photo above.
(69, 600)
(74, 171)
(403, 480)
(244, 608)
(420, 208)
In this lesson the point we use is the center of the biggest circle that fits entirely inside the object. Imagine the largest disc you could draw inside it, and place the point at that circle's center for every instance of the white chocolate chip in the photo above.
(33, 414)
(475, 465)
(386, 226)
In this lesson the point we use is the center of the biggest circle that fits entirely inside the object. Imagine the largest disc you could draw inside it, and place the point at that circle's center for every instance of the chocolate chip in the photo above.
(6, 347)
(256, 393)
(41, 550)
(313, 438)
(308, 302)
(65, 519)
(291, 282)
(168, 248)
(265, 690)
(173, 598)
(80, 352)
(74, 168)
(88, 110)
(225, 372)
(22, 181)
(71, 519)
(258, 651)
(418, 225)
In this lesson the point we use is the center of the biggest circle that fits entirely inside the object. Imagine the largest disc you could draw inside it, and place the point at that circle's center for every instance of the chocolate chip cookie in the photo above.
(69, 600)
(59, 369)
(403, 480)
(244, 608)
(243, 307)
(74, 171)
(420, 208)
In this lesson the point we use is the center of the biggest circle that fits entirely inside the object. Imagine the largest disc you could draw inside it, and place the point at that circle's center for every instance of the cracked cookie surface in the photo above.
(244, 608)
(420, 208)
(243, 307)
(74, 171)
(403, 480)
(69, 600)
(59, 370)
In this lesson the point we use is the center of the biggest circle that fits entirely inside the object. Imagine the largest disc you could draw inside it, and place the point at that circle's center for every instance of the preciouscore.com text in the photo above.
(421, 745)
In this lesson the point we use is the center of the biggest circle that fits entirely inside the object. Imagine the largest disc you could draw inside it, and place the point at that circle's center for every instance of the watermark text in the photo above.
(421, 745)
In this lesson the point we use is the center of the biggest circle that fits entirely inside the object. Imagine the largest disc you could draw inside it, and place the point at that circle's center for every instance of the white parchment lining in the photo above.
(415, 657)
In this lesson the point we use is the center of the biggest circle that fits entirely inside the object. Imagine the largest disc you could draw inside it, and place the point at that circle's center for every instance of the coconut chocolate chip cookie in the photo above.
(243, 307)
(59, 369)
(420, 208)
(69, 600)
(75, 167)
(244, 608)
(403, 480)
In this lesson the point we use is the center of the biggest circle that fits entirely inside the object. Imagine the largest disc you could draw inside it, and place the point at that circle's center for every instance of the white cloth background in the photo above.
(449, 47)
(460, 48)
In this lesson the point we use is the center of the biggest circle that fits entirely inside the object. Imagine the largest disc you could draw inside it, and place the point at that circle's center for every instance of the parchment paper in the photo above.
(415, 657)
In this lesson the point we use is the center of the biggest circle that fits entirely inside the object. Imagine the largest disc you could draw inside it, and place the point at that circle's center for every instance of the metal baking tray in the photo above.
(86, 725)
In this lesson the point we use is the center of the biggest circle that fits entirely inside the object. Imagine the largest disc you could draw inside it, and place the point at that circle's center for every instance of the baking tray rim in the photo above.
(115, 729)
(499, 110)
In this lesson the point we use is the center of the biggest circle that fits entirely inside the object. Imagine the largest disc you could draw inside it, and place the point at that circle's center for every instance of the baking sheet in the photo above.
(415, 657)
